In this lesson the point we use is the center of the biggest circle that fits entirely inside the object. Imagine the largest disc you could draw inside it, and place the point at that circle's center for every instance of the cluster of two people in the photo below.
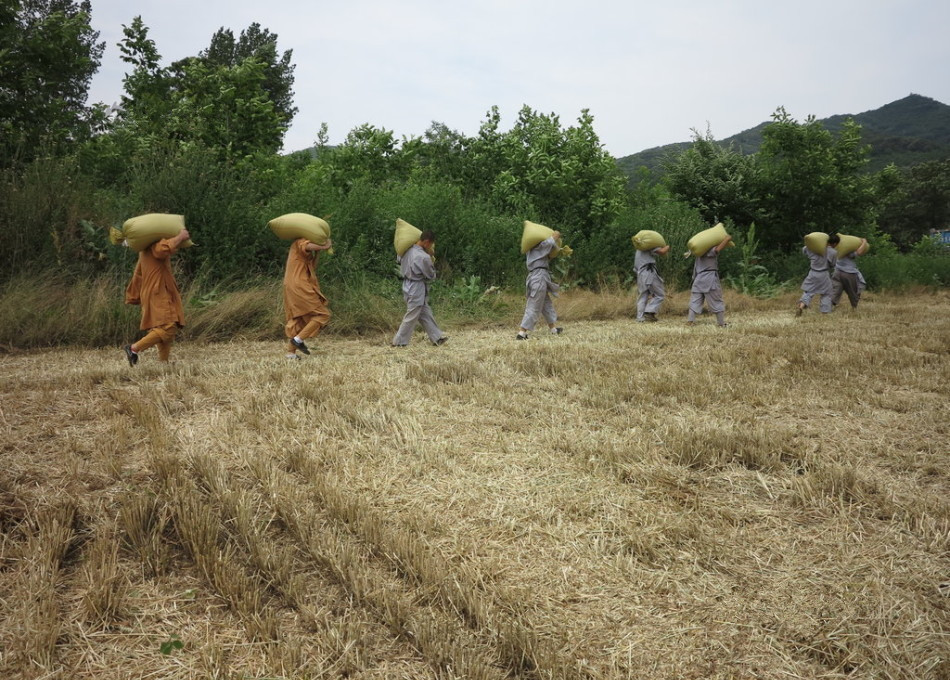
(706, 287)
(829, 276)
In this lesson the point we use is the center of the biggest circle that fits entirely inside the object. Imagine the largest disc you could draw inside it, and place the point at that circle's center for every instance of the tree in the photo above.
(538, 168)
(721, 183)
(813, 180)
(219, 99)
(261, 45)
(916, 201)
(48, 57)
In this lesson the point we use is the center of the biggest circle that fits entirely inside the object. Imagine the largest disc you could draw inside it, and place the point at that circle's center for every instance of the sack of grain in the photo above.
(145, 230)
(817, 242)
(648, 240)
(292, 226)
(848, 244)
(533, 234)
(405, 237)
(702, 242)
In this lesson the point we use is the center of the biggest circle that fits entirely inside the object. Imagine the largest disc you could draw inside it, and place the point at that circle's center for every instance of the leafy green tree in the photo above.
(718, 181)
(813, 180)
(48, 55)
(916, 201)
(220, 101)
(541, 170)
(261, 45)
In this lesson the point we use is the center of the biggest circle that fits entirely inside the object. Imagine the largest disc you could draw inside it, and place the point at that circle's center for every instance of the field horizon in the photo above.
(768, 500)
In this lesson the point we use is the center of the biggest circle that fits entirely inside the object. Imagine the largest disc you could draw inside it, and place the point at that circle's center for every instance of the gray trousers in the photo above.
(713, 299)
(417, 314)
(651, 297)
(824, 307)
(538, 303)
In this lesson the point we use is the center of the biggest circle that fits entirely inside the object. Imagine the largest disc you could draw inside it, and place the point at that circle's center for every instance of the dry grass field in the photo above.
(770, 500)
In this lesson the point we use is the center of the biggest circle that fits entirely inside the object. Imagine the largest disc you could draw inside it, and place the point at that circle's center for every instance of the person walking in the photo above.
(305, 306)
(153, 287)
(418, 270)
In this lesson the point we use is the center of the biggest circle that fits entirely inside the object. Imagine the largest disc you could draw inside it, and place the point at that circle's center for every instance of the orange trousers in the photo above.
(307, 326)
(163, 336)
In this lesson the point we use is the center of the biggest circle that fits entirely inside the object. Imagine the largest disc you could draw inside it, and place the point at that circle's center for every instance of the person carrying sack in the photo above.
(418, 270)
(305, 306)
(153, 287)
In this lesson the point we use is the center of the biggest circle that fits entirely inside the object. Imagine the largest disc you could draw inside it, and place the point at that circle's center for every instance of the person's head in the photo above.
(833, 239)
(427, 239)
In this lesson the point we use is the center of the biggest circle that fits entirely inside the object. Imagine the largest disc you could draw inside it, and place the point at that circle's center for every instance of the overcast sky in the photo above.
(648, 71)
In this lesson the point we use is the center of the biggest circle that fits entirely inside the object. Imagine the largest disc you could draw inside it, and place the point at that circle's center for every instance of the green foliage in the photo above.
(721, 183)
(812, 180)
(48, 55)
(173, 643)
(234, 98)
(750, 276)
(915, 201)
(260, 45)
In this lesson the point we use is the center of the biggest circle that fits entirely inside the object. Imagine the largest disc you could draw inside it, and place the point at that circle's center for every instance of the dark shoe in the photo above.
(133, 357)
(441, 341)
(300, 345)
(395, 345)
(799, 311)
(723, 325)
(521, 336)
(557, 331)
(651, 317)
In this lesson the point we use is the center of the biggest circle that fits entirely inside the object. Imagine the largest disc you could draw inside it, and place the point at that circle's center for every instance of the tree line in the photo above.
(202, 136)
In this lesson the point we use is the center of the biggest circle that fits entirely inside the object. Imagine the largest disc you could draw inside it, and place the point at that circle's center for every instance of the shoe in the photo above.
(441, 341)
(521, 336)
(299, 344)
(799, 311)
(133, 357)
(395, 345)
(651, 317)
(723, 325)
(557, 331)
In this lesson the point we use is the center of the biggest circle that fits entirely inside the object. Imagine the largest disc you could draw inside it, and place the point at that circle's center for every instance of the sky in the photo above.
(649, 72)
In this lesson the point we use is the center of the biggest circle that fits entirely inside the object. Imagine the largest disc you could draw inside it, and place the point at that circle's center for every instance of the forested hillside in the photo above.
(905, 132)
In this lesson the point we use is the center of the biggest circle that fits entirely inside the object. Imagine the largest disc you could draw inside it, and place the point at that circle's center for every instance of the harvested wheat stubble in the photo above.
(767, 501)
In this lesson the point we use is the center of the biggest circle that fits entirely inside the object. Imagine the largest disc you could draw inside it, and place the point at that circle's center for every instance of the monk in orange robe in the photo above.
(305, 307)
(153, 287)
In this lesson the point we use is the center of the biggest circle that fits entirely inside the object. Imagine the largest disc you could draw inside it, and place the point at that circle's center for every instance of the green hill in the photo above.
(905, 132)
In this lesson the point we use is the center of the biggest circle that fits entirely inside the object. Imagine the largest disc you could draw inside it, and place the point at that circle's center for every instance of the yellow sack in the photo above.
(533, 234)
(145, 230)
(848, 244)
(710, 238)
(647, 240)
(292, 226)
(817, 242)
(405, 237)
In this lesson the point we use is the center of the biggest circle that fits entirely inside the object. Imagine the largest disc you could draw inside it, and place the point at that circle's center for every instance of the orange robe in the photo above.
(153, 286)
(304, 304)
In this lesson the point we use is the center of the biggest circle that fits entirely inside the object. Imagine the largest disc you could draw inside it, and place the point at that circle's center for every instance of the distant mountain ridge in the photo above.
(905, 132)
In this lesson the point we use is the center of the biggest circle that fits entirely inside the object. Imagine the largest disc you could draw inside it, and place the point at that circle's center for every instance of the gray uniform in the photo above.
(706, 287)
(847, 279)
(818, 281)
(539, 286)
(417, 271)
(649, 283)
